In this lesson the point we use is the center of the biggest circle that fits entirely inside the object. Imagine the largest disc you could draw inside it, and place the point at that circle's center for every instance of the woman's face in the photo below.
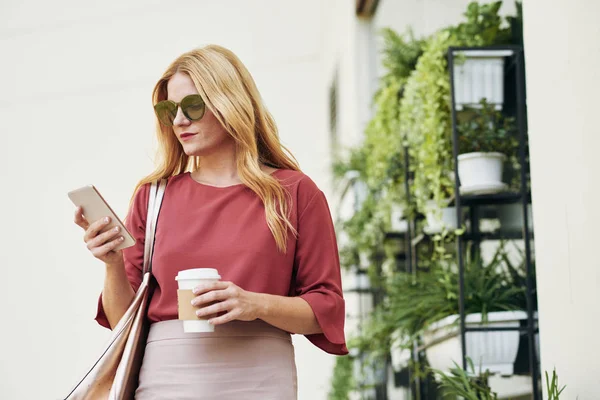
(209, 136)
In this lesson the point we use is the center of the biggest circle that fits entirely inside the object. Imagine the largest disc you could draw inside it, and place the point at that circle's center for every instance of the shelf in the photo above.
(400, 257)
(495, 236)
(361, 291)
(486, 50)
(511, 387)
(484, 53)
(423, 237)
(490, 199)
(395, 235)
(522, 329)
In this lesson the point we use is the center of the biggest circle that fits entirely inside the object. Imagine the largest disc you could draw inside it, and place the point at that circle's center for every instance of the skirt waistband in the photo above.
(173, 329)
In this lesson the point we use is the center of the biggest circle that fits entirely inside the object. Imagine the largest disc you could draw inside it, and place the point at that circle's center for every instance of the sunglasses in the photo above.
(192, 106)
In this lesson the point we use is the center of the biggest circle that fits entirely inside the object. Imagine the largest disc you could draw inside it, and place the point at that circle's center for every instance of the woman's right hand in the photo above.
(101, 244)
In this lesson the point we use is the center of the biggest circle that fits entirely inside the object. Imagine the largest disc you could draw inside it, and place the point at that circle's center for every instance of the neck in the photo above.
(218, 168)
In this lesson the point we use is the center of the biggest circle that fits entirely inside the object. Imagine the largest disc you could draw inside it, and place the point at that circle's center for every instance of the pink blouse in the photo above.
(203, 226)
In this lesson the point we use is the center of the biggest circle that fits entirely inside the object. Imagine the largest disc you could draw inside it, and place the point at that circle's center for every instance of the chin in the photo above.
(204, 148)
(196, 151)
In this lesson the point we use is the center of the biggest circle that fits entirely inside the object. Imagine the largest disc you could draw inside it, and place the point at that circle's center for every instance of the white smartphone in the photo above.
(95, 207)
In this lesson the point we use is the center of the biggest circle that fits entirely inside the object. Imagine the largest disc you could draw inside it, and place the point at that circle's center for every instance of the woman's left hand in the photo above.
(230, 302)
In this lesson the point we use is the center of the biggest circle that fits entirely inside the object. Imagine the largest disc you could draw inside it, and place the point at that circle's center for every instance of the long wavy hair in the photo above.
(231, 94)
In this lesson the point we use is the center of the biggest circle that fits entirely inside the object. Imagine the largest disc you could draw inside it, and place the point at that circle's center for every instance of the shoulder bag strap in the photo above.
(157, 190)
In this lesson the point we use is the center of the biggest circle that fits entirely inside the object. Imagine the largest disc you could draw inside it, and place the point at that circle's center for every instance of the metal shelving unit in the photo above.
(523, 197)
(472, 204)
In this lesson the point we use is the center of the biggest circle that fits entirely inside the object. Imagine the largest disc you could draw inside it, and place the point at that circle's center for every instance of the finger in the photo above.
(80, 218)
(104, 237)
(106, 248)
(230, 316)
(207, 287)
(210, 297)
(96, 227)
(214, 309)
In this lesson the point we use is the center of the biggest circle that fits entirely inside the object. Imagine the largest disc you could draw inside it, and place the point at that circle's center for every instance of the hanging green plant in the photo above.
(342, 380)
(425, 107)
(379, 159)
(426, 123)
(384, 163)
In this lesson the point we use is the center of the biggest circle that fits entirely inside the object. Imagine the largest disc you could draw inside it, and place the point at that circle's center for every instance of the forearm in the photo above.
(292, 314)
(117, 294)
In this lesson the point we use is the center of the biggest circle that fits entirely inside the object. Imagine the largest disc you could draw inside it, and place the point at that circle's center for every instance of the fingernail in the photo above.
(195, 290)
(116, 229)
(193, 302)
(198, 313)
(106, 220)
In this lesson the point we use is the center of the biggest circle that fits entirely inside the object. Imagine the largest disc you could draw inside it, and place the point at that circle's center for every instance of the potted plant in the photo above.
(494, 351)
(485, 139)
(437, 219)
(552, 388)
(472, 384)
(491, 299)
(469, 385)
(511, 218)
(427, 308)
(479, 74)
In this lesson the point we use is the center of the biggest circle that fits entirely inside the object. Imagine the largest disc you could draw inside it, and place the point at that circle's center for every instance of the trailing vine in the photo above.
(425, 107)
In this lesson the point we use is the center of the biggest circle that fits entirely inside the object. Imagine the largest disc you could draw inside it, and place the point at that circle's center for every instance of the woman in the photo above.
(234, 201)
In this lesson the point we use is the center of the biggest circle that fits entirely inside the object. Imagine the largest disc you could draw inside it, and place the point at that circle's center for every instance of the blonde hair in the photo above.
(231, 94)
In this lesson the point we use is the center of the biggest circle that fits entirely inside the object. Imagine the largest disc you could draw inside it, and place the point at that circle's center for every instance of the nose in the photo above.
(180, 118)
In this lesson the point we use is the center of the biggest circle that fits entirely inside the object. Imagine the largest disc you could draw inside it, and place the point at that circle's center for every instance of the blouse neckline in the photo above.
(189, 175)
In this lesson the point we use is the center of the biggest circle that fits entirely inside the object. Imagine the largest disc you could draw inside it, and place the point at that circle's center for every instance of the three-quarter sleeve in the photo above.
(318, 275)
(133, 257)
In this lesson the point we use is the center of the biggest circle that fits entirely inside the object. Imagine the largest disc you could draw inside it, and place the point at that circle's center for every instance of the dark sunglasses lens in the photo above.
(166, 111)
(193, 107)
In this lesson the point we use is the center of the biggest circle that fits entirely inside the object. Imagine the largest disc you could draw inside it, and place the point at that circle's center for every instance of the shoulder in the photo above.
(302, 188)
(142, 194)
(296, 180)
(179, 179)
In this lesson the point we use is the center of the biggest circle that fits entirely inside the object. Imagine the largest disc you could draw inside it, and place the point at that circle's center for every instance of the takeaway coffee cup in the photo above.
(187, 280)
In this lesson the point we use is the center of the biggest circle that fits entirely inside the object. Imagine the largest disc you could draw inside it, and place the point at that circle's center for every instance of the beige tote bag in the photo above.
(114, 376)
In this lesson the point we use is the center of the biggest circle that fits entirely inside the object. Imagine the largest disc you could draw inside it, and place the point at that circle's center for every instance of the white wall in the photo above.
(562, 60)
(76, 81)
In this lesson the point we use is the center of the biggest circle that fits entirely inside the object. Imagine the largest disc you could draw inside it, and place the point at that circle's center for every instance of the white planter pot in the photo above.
(480, 76)
(363, 260)
(362, 281)
(400, 357)
(437, 220)
(495, 351)
(398, 222)
(511, 217)
(481, 172)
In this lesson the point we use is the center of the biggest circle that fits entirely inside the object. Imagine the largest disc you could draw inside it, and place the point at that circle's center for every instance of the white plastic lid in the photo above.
(198, 273)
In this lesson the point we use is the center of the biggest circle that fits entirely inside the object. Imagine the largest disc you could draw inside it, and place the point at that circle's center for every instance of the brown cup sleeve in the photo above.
(184, 304)
(185, 308)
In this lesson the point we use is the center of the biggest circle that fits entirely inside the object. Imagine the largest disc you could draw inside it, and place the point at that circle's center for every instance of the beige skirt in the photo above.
(240, 360)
